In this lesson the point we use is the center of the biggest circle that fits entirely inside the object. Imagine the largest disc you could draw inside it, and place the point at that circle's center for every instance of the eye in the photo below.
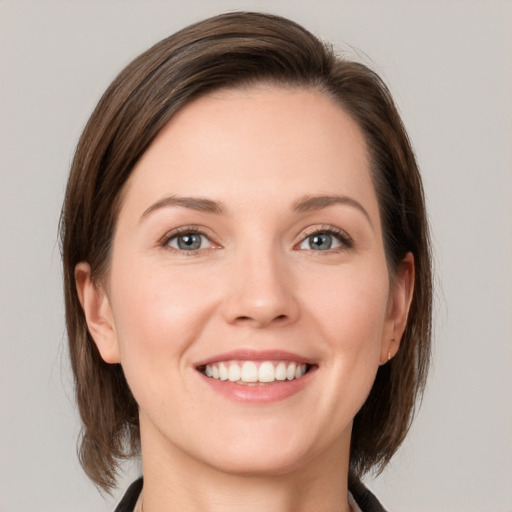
(188, 241)
(325, 240)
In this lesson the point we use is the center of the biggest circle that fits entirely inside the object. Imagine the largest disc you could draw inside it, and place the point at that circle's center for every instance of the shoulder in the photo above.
(127, 504)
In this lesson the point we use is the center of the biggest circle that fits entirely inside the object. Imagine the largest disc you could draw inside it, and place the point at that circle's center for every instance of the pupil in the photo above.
(320, 241)
(191, 241)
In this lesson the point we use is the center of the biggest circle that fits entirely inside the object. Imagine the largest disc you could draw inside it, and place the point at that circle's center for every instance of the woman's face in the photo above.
(248, 251)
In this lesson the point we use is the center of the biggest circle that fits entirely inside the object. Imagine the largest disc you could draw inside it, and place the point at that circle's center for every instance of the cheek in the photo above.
(351, 317)
(348, 316)
(352, 308)
(158, 316)
(159, 312)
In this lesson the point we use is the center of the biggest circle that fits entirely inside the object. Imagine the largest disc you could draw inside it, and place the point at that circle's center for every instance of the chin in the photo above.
(271, 462)
(265, 452)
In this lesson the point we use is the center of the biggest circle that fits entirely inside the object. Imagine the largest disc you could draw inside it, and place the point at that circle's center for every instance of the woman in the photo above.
(247, 273)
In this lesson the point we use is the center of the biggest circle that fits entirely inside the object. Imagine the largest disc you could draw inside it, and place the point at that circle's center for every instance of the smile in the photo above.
(255, 372)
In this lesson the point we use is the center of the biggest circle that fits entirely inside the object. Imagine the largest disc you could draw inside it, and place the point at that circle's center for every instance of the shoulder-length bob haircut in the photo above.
(228, 51)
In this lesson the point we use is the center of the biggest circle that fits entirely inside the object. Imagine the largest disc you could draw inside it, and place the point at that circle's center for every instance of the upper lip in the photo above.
(254, 355)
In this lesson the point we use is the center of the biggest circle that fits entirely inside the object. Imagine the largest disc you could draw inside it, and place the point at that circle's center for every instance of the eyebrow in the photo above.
(199, 204)
(311, 203)
(304, 204)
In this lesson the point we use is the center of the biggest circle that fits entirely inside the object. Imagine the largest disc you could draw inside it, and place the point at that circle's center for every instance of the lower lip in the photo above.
(258, 393)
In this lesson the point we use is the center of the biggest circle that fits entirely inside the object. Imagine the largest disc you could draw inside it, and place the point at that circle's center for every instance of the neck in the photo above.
(175, 481)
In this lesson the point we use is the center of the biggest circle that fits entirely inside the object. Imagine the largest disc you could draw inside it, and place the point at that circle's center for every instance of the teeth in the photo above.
(281, 371)
(290, 371)
(250, 372)
(223, 372)
(233, 373)
(267, 373)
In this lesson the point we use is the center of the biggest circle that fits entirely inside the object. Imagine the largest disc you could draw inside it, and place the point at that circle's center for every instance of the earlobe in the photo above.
(400, 303)
(98, 314)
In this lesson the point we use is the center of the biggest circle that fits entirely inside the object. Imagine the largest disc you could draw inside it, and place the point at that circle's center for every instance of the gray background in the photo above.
(448, 65)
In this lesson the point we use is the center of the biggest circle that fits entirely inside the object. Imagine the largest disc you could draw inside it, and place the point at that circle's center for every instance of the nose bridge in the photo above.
(260, 288)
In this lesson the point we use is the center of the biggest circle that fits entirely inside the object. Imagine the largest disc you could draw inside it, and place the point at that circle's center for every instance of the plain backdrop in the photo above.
(449, 66)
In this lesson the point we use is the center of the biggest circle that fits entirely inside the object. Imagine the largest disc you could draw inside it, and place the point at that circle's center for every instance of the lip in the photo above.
(257, 393)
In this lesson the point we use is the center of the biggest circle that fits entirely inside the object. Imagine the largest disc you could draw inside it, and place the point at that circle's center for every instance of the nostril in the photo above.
(245, 318)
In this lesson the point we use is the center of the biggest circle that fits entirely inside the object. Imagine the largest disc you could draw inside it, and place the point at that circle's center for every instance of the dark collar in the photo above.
(364, 498)
(130, 498)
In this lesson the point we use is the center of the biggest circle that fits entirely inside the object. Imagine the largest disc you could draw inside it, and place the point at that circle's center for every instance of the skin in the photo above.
(255, 283)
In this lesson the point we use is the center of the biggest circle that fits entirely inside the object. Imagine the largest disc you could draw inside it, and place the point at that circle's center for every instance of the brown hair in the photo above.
(233, 50)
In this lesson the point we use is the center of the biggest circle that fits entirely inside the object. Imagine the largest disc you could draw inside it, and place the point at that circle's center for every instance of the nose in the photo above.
(260, 291)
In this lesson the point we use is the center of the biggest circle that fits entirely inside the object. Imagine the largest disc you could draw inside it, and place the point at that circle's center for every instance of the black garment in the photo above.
(366, 501)
(364, 498)
(131, 496)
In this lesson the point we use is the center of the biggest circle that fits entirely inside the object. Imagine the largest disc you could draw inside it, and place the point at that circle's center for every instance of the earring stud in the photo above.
(389, 350)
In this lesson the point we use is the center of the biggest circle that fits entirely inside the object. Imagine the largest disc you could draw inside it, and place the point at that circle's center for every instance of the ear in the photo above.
(98, 313)
(400, 297)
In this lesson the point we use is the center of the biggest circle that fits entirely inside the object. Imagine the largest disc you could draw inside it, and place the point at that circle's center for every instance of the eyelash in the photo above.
(343, 238)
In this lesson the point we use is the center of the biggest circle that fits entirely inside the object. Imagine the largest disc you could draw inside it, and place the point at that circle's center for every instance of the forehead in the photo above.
(272, 140)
